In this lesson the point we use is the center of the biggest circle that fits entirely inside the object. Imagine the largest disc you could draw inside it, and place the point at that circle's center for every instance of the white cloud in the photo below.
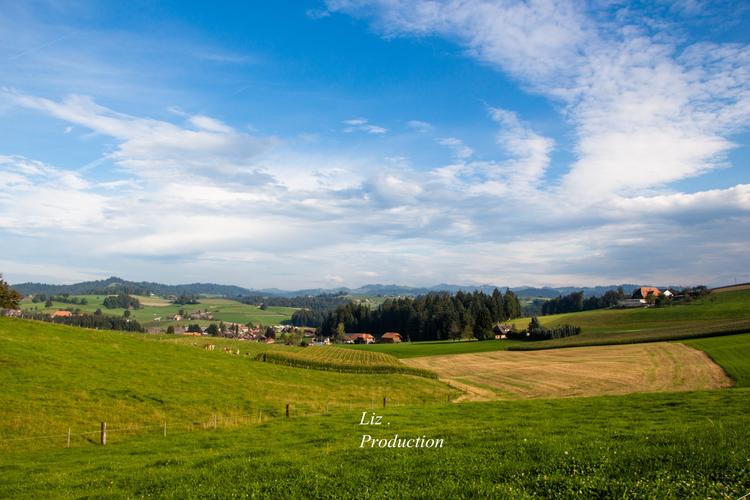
(420, 126)
(362, 125)
(198, 193)
(460, 150)
(646, 112)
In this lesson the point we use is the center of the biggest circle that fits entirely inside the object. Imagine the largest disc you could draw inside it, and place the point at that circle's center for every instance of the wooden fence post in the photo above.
(165, 429)
(68, 438)
(214, 420)
(384, 401)
(287, 410)
(104, 433)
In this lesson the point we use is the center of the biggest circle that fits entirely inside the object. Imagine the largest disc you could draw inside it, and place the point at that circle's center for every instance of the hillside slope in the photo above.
(56, 377)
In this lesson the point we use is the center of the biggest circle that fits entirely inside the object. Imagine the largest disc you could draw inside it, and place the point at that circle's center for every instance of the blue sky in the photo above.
(337, 143)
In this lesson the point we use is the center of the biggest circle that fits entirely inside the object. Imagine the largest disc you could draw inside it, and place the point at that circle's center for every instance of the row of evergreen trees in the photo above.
(97, 321)
(536, 331)
(65, 298)
(322, 302)
(435, 316)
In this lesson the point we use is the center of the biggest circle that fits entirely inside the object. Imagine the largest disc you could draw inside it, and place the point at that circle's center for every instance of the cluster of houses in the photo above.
(641, 296)
(195, 315)
(368, 338)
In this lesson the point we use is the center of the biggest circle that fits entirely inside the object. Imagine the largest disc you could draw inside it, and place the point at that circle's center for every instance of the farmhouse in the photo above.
(642, 292)
(502, 331)
(359, 338)
(11, 313)
(391, 338)
(62, 314)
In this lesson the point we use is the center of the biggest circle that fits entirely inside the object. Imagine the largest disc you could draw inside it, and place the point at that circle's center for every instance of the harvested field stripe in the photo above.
(585, 371)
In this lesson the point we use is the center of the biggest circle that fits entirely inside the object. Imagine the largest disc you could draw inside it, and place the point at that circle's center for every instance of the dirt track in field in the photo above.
(577, 371)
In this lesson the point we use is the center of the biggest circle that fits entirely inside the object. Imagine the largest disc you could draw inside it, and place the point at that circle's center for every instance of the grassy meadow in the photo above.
(227, 434)
(435, 348)
(717, 314)
(342, 360)
(157, 307)
(732, 353)
(694, 445)
(56, 377)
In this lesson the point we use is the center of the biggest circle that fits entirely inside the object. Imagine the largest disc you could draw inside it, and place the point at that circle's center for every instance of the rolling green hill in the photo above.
(157, 307)
(56, 377)
(720, 313)
(717, 314)
(678, 445)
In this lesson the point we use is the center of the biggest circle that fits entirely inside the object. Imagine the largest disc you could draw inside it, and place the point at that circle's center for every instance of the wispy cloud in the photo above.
(460, 150)
(362, 125)
(420, 126)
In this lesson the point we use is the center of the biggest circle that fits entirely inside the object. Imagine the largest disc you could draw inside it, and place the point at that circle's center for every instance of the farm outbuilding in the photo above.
(359, 338)
(391, 338)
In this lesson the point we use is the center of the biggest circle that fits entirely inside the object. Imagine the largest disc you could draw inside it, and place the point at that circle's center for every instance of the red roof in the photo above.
(353, 336)
(391, 335)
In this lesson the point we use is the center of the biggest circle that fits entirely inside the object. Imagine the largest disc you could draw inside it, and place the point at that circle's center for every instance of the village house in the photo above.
(644, 291)
(359, 338)
(62, 314)
(391, 338)
(502, 331)
(11, 313)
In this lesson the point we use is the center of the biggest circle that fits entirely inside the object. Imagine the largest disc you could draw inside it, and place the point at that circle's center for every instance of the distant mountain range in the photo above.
(119, 285)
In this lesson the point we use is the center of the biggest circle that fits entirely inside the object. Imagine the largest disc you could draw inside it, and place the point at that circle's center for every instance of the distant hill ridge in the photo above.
(118, 285)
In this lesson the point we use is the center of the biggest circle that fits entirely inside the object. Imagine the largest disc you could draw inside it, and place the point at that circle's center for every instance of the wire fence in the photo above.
(77, 436)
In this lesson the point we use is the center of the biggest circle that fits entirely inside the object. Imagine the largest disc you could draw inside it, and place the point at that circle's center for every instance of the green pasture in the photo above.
(732, 353)
(56, 377)
(692, 445)
(222, 309)
(435, 348)
(720, 313)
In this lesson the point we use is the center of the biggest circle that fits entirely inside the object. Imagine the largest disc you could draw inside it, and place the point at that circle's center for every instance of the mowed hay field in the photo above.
(580, 371)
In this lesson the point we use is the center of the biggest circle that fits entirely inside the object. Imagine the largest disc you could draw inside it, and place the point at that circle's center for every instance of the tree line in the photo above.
(65, 298)
(121, 301)
(96, 321)
(575, 301)
(536, 331)
(322, 302)
(435, 316)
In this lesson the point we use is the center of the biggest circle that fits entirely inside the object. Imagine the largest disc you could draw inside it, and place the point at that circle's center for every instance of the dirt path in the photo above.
(579, 371)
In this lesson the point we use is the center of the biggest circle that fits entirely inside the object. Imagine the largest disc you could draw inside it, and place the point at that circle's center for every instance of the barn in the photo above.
(391, 338)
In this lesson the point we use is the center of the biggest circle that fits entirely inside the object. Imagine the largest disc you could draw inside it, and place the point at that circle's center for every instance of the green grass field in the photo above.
(437, 348)
(56, 377)
(157, 307)
(658, 445)
(717, 314)
(694, 445)
(732, 353)
(342, 360)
